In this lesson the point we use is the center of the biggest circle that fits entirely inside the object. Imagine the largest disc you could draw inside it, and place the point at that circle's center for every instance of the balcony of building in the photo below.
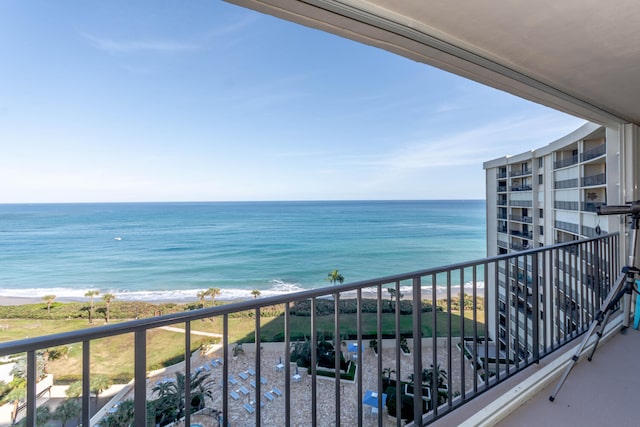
(566, 183)
(594, 152)
(521, 218)
(599, 392)
(594, 180)
(525, 170)
(263, 385)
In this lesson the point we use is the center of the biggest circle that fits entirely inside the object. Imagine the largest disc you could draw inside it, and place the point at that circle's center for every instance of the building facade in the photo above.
(542, 197)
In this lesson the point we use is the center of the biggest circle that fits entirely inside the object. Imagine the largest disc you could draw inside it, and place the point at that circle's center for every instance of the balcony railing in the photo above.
(599, 179)
(591, 206)
(522, 203)
(518, 218)
(520, 172)
(593, 153)
(568, 206)
(520, 188)
(467, 344)
(567, 183)
(523, 234)
(563, 163)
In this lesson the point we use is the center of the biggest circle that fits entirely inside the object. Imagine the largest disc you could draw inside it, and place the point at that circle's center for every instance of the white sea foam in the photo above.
(278, 287)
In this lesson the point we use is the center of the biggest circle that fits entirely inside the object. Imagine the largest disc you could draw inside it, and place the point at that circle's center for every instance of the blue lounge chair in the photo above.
(253, 383)
(269, 396)
(251, 371)
(249, 408)
(243, 375)
(276, 391)
(232, 380)
(243, 390)
(263, 380)
(234, 395)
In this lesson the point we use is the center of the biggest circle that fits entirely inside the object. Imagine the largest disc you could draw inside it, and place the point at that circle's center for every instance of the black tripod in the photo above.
(624, 286)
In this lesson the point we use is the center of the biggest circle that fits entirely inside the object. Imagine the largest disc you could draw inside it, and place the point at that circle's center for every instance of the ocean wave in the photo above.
(277, 288)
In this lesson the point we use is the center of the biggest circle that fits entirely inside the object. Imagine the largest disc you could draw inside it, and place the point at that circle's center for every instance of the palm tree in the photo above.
(201, 295)
(67, 410)
(255, 293)
(334, 277)
(91, 294)
(74, 390)
(213, 293)
(43, 415)
(172, 395)
(107, 298)
(392, 295)
(123, 416)
(98, 384)
(49, 300)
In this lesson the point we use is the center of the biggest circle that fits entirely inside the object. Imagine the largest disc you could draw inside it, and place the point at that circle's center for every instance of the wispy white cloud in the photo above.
(133, 46)
(472, 146)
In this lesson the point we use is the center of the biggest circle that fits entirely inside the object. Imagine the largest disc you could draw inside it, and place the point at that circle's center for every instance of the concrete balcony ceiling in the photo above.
(577, 56)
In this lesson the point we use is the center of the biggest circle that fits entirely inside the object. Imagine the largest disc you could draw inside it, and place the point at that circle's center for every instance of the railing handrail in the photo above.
(32, 344)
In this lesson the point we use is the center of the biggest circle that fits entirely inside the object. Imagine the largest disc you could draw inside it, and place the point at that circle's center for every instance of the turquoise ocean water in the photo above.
(157, 251)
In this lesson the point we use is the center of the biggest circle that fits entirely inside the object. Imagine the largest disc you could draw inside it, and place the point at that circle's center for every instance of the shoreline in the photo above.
(20, 300)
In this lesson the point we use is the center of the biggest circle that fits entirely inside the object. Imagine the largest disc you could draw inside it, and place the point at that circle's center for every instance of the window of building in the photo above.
(540, 179)
(541, 213)
(541, 230)
(540, 162)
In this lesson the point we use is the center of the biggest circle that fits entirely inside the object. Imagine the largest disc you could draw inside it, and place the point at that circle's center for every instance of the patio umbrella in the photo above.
(371, 398)
(352, 347)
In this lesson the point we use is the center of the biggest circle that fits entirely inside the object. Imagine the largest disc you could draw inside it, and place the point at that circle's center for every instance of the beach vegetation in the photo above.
(213, 293)
(256, 293)
(335, 277)
(201, 296)
(91, 294)
(107, 298)
(48, 299)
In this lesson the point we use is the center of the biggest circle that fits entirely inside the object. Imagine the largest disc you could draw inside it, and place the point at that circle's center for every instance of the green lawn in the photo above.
(114, 356)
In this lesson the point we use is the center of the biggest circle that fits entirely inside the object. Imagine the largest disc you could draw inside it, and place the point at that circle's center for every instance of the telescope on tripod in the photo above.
(624, 285)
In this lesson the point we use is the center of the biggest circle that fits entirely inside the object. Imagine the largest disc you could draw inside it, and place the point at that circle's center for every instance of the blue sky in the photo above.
(203, 100)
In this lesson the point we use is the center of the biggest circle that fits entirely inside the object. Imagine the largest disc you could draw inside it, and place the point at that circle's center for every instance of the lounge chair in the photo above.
(234, 395)
(232, 380)
(243, 390)
(263, 380)
(253, 383)
(251, 371)
(276, 391)
(243, 375)
(249, 408)
(269, 396)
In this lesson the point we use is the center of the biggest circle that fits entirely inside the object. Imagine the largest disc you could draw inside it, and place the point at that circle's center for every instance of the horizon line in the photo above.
(236, 201)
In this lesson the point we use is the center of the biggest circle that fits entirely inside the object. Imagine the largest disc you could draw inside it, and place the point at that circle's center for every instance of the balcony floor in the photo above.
(596, 393)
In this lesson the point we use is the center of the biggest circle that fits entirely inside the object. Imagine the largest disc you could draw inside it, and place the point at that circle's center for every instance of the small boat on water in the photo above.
(118, 238)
